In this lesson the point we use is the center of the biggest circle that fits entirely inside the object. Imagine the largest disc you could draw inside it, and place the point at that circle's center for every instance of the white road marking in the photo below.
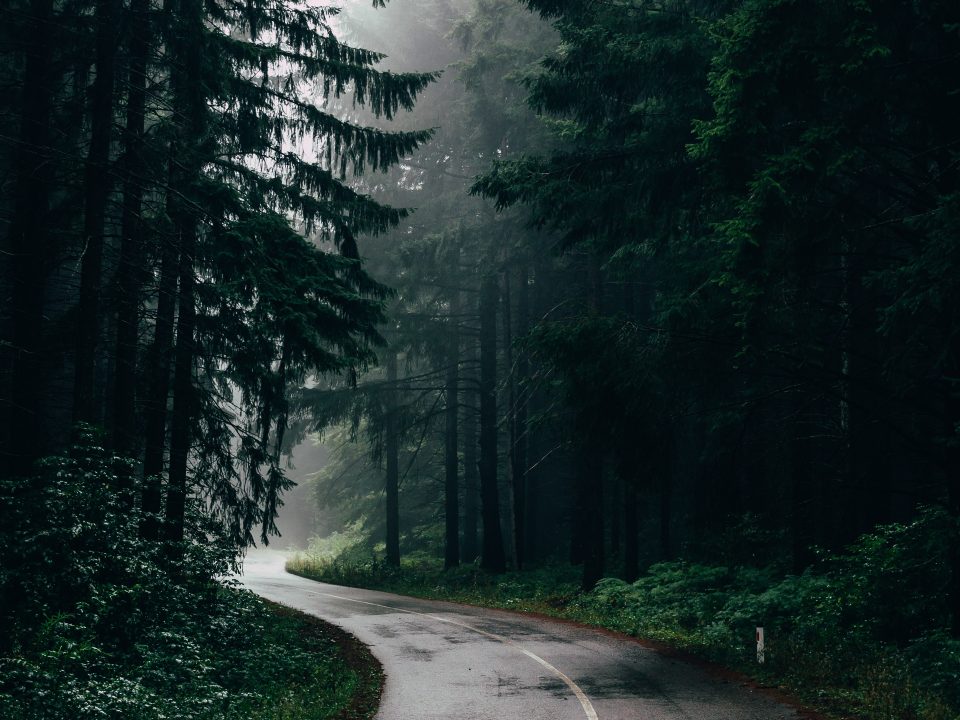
(574, 688)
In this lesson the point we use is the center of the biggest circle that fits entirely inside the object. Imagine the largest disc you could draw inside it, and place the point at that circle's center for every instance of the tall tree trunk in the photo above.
(86, 407)
(951, 468)
(953, 500)
(158, 377)
(802, 498)
(590, 478)
(666, 516)
(629, 455)
(514, 478)
(518, 425)
(29, 239)
(189, 97)
(470, 547)
(631, 547)
(534, 446)
(451, 459)
(184, 399)
(391, 447)
(129, 272)
(591, 469)
(492, 557)
(616, 532)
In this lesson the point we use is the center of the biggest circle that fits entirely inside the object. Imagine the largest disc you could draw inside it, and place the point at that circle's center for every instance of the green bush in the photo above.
(102, 624)
(865, 628)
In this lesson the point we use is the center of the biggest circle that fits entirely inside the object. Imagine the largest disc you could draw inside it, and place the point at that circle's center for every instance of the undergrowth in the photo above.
(862, 633)
(101, 624)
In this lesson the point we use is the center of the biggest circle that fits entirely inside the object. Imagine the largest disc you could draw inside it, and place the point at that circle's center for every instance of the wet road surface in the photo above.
(445, 661)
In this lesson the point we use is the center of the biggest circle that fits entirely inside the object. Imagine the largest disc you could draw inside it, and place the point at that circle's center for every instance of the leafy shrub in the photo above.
(867, 627)
(103, 624)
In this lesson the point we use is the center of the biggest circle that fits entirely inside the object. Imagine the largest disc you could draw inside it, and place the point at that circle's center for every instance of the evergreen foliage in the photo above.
(240, 232)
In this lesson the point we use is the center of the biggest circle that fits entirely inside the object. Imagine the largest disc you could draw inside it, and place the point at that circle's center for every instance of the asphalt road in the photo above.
(455, 662)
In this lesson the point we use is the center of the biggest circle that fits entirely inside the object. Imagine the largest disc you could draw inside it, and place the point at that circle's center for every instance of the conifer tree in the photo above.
(236, 199)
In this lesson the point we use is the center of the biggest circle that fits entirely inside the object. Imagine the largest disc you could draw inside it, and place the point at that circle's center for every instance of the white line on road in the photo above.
(574, 688)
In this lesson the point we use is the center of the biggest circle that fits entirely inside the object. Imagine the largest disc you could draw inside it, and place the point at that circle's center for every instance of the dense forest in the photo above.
(625, 286)
(715, 312)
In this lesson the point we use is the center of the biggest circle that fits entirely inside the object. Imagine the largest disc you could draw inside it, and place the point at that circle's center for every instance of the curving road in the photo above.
(445, 661)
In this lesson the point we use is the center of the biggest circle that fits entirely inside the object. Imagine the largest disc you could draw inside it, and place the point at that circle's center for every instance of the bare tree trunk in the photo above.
(631, 562)
(518, 426)
(514, 474)
(533, 445)
(591, 469)
(492, 557)
(953, 500)
(29, 240)
(951, 468)
(451, 459)
(189, 97)
(802, 498)
(184, 399)
(470, 548)
(130, 272)
(391, 447)
(616, 500)
(666, 516)
(158, 378)
(590, 477)
(97, 189)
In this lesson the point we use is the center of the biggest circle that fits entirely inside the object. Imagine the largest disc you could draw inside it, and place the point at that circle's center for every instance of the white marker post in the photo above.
(760, 645)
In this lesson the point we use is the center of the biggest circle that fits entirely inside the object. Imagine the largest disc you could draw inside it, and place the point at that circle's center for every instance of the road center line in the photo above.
(574, 688)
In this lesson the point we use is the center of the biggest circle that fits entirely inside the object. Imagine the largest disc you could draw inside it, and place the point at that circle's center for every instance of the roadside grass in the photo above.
(862, 634)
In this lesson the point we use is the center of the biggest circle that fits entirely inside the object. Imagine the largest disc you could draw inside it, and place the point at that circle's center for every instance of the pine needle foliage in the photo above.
(280, 291)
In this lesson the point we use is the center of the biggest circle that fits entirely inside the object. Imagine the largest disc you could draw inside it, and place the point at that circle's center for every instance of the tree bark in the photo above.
(470, 547)
(666, 516)
(29, 240)
(534, 446)
(590, 474)
(183, 391)
(616, 518)
(130, 272)
(492, 557)
(86, 407)
(631, 561)
(189, 96)
(514, 474)
(590, 477)
(518, 425)
(158, 377)
(391, 448)
(451, 459)
(802, 499)
(951, 468)
(953, 499)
